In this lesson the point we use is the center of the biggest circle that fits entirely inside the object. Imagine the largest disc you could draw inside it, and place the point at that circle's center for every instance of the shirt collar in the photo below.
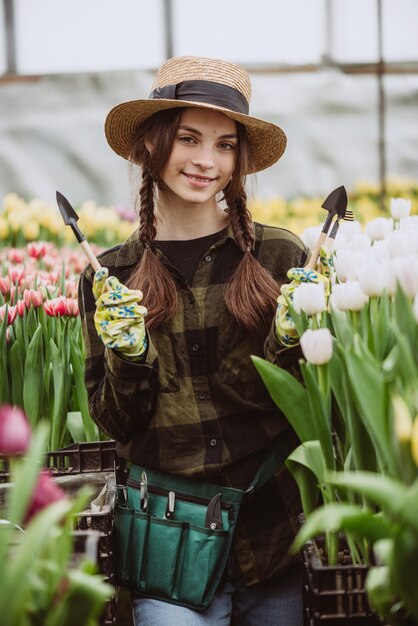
(132, 249)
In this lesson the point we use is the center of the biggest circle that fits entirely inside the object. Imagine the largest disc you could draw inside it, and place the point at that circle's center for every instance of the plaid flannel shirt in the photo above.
(197, 407)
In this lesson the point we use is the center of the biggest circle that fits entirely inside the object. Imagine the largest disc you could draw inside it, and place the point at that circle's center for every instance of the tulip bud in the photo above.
(400, 207)
(416, 308)
(360, 241)
(373, 277)
(309, 298)
(348, 297)
(36, 249)
(379, 228)
(402, 419)
(414, 441)
(14, 431)
(46, 492)
(406, 272)
(317, 346)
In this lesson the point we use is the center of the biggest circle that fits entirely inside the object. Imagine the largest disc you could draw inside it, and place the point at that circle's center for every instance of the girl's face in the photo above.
(202, 158)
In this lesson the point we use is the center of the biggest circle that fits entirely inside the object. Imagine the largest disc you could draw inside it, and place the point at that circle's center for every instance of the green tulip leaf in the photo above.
(308, 468)
(334, 517)
(395, 499)
(290, 396)
(33, 377)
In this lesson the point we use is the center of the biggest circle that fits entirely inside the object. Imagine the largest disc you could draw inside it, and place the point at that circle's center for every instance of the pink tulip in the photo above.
(14, 431)
(32, 297)
(11, 313)
(21, 308)
(72, 307)
(71, 288)
(50, 261)
(5, 285)
(15, 255)
(16, 273)
(56, 306)
(61, 306)
(36, 249)
(45, 493)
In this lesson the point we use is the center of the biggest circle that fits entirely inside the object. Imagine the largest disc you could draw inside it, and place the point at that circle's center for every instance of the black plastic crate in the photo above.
(334, 595)
(91, 456)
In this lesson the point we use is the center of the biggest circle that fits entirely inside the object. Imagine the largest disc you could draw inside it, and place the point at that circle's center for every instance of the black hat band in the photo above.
(205, 91)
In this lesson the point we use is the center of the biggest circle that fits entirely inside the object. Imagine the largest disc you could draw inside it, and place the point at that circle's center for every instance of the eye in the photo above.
(226, 145)
(187, 139)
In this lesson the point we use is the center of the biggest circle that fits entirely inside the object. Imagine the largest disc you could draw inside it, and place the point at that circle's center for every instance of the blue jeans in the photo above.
(275, 603)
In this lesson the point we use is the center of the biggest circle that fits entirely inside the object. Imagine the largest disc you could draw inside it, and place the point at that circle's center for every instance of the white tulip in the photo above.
(310, 236)
(400, 207)
(348, 296)
(373, 277)
(416, 308)
(379, 228)
(349, 229)
(360, 241)
(409, 222)
(309, 298)
(400, 243)
(406, 273)
(347, 262)
(380, 249)
(317, 346)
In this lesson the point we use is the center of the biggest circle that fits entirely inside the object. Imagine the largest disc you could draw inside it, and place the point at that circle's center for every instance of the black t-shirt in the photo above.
(186, 254)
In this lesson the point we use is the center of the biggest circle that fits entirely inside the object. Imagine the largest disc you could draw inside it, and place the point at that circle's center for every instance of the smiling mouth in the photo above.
(198, 179)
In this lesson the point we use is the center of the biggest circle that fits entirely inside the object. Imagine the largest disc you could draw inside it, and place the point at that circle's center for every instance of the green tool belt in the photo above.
(175, 547)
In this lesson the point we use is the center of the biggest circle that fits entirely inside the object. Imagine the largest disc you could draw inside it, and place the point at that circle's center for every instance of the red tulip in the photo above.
(14, 431)
(45, 493)
(36, 249)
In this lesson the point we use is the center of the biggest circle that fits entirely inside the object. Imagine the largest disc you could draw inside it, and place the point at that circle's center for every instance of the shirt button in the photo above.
(202, 396)
(195, 347)
(213, 442)
(191, 300)
(208, 258)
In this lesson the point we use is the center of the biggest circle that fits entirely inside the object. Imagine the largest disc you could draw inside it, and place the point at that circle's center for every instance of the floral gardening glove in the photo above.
(119, 318)
(285, 329)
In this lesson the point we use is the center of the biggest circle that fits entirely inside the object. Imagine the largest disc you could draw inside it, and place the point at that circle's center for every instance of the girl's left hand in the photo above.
(284, 326)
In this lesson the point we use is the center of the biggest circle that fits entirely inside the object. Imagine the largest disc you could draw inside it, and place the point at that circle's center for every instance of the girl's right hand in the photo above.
(119, 318)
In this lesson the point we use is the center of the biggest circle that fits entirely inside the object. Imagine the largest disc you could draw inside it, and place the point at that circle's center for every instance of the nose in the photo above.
(203, 158)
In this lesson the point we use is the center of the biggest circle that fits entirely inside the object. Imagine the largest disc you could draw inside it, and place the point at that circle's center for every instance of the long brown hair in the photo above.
(251, 293)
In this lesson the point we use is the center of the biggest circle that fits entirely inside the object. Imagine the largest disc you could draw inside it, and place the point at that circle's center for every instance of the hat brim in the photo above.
(267, 141)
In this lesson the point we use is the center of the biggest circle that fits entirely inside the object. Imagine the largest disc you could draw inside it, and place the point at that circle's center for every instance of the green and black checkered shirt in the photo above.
(197, 407)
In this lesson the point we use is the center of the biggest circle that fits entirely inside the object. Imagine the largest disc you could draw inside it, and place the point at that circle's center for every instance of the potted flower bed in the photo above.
(355, 415)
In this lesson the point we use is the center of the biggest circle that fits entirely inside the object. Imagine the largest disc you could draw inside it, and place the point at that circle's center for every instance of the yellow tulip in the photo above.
(4, 228)
(414, 441)
(31, 230)
(403, 419)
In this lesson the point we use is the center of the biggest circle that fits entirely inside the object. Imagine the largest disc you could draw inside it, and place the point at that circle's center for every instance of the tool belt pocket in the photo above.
(169, 547)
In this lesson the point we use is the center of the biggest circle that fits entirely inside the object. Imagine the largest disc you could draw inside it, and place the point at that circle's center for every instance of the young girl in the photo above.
(171, 379)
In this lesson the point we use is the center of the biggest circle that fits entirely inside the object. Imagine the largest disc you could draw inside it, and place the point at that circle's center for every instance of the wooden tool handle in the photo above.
(91, 256)
(312, 263)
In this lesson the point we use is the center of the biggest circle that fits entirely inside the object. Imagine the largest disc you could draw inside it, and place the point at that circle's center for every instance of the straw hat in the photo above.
(204, 83)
